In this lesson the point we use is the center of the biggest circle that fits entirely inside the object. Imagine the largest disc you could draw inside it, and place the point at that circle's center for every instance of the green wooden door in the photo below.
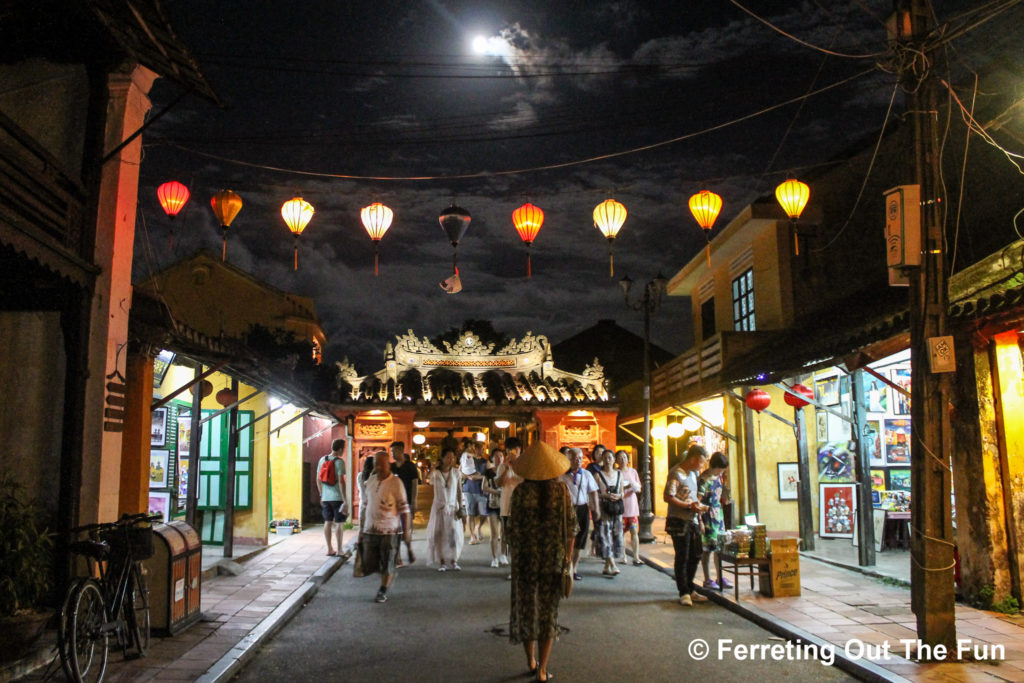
(213, 468)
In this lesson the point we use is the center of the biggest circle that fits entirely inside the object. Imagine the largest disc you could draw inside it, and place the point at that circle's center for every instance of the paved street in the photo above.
(452, 627)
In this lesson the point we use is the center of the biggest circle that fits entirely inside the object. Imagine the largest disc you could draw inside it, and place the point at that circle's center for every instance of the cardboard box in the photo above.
(785, 575)
(785, 545)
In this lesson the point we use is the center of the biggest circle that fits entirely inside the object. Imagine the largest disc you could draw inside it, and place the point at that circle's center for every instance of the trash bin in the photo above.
(175, 575)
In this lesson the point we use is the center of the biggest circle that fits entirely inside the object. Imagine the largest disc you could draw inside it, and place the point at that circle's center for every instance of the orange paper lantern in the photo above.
(527, 219)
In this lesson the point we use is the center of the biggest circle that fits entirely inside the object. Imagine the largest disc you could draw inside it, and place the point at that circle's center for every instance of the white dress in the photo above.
(445, 534)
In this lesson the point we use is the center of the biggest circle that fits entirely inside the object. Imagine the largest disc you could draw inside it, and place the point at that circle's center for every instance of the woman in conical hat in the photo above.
(541, 530)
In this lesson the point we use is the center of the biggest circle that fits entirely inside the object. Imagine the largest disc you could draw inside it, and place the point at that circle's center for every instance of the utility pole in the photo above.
(931, 546)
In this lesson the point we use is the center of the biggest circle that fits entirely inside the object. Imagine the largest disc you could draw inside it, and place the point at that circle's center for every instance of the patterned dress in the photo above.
(709, 491)
(541, 525)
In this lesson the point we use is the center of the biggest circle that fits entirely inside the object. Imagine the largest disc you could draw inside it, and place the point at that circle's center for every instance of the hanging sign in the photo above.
(903, 226)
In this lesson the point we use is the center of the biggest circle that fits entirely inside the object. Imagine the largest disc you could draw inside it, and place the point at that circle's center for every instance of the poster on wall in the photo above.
(897, 442)
(878, 480)
(899, 480)
(789, 478)
(873, 441)
(160, 504)
(158, 434)
(877, 394)
(158, 469)
(899, 401)
(826, 391)
(184, 436)
(836, 508)
(835, 463)
(822, 417)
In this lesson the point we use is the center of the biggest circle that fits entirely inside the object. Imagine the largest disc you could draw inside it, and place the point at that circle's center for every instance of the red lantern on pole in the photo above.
(796, 401)
(758, 399)
(173, 196)
(528, 219)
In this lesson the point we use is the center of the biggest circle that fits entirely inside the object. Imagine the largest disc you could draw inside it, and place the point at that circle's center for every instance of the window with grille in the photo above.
(743, 301)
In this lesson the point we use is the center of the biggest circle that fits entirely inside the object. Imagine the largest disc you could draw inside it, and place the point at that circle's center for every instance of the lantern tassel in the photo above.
(224, 244)
(611, 264)
(529, 273)
(707, 253)
(376, 261)
(796, 240)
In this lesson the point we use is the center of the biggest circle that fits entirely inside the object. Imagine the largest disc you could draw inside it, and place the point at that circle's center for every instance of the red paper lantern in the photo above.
(797, 402)
(527, 219)
(205, 388)
(226, 397)
(173, 196)
(758, 399)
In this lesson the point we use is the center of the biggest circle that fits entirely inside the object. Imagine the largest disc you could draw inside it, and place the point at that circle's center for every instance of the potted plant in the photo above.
(26, 570)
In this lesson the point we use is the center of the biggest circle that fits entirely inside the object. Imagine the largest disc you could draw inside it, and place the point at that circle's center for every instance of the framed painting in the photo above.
(899, 402)
(878, 480)
(873, 442)
(826, 391)
(822, 417)
(158, 434)
(836, 510)
(160, 504)
(835, 463)
(877, 394)
(897, 442)
(789, 479)
(899, 479)
(158, 469)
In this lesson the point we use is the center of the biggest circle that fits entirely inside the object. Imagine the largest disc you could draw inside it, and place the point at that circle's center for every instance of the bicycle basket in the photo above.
(139, 539)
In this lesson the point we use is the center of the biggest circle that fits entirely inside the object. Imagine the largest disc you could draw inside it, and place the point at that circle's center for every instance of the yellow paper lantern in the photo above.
(297, 213)
(376, 219)
(793, 196)
(226, 205)
(609, 216)
(705, 207)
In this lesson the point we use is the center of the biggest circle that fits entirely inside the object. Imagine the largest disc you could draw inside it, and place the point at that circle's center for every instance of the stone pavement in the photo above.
(239, 612)
(848, 610)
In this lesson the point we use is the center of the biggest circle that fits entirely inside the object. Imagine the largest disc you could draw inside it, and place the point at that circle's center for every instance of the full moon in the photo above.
(480, 45)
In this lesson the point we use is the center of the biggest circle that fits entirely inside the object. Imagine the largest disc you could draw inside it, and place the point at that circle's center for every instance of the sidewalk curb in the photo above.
(862, 669)
(854, 568)
(231, 663)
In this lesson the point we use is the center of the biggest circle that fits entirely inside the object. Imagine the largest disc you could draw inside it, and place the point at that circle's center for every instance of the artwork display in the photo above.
(873, 439)
(835, 463)
(160, 504)
(158, 469)
(899, 402)
(822, 418)
(895, 501)
(826, 391)
(897, 442)
(877, 394)
(878, 480)
(836, 510)
(899, 479)
(158, 434)
(789, 479)
(184, 434)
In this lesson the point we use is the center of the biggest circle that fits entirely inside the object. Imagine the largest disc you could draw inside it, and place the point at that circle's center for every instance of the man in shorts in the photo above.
(386, 521)
(472, 465)
(406, 470)
(332, 497)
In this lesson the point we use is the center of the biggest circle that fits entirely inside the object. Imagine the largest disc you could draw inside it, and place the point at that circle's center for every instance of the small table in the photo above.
(743, 566)
(895, 533)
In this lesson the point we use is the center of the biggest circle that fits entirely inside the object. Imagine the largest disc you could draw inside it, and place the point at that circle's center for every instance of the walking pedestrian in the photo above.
(508, 480)
(583, 493)
(493, 492)
(630, 505)
(541, 528)
(608, 539)
(361, 478)
(471, 466)
(333, 506)
(711, 492)
(406, 470)
(682, 522)
(387, 514)
(445, 533)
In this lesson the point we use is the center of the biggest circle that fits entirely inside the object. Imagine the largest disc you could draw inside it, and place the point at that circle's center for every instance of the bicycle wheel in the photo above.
(87, 640)
(136, 611)
(62, 624)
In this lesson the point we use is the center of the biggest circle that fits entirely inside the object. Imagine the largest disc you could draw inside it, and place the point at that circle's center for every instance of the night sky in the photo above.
(394, 88)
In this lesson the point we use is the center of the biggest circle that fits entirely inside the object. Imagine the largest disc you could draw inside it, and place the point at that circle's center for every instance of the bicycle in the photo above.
(112, 599)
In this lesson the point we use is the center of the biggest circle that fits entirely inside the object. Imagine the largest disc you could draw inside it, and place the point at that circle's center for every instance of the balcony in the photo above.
(696, 373)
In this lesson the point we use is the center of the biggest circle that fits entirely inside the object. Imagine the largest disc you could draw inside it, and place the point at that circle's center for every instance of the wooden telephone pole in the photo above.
(931, 547)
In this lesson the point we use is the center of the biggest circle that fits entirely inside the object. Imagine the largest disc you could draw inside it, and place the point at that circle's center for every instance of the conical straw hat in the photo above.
(540, 462)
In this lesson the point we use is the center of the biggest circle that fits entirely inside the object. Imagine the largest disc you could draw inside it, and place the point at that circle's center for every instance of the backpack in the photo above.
(328, 474)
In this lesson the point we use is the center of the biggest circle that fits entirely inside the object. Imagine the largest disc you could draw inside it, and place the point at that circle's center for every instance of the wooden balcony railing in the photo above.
(685, 378)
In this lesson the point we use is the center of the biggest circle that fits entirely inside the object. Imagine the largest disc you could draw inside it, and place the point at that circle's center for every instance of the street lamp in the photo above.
(648, 303)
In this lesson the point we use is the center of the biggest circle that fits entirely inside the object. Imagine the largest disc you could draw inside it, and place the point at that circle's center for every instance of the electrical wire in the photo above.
(867, 174)
(873, 55)
(977, 128)
(533, 169)
(963, 174)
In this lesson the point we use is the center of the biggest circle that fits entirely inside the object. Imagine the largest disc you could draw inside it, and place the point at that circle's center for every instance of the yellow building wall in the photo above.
(286, 466)
(775, 442)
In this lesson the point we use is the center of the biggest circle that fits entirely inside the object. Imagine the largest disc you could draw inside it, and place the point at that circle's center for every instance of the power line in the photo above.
(834, 53)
